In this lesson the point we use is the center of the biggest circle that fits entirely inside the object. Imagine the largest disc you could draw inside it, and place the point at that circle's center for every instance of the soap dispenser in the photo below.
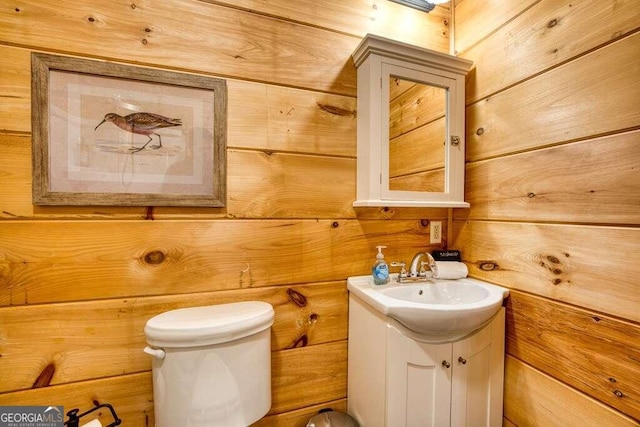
(380, 269)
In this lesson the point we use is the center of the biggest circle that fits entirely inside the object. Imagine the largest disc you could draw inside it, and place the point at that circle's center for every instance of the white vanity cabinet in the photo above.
(395, 380)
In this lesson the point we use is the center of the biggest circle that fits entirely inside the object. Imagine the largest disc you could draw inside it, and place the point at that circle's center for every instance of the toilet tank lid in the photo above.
(214, 324)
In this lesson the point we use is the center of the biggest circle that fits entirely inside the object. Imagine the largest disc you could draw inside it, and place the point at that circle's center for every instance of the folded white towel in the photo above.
(451, 270)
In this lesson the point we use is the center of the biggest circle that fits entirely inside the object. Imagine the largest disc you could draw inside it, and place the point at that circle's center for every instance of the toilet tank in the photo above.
(211, 365)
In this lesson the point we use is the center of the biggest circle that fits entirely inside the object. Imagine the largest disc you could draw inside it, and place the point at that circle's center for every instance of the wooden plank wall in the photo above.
(77, 284)
(553, 178)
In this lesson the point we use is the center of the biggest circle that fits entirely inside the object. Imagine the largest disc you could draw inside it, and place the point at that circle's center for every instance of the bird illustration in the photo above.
(142, 124)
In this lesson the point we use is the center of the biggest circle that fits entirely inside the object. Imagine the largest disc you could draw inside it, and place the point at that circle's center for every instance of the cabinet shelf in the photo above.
(410, 204)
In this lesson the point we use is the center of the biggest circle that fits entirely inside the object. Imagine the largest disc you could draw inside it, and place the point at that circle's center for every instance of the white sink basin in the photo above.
(437, 311)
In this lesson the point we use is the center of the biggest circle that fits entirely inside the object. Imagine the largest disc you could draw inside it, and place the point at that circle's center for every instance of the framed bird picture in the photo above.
(118, 135)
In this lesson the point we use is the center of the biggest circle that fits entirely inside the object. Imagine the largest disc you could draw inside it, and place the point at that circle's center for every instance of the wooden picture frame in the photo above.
(118, 135)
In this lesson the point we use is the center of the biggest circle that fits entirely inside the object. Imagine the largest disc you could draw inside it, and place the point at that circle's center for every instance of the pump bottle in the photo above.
(380, 269)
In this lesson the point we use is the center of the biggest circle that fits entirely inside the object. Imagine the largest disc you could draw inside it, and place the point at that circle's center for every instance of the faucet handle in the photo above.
(403, 268)
(423, 271)
(432, 268)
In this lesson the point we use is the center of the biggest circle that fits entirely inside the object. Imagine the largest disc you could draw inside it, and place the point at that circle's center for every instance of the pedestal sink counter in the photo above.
(436, 310)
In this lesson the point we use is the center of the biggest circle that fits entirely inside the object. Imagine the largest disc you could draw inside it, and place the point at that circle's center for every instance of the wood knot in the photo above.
(553, 266)
(336, 111)
(552, 23)
(488, 266)
(92, 20)
(618, 393)
(297, 298)
(44, 379)
(301, 341)
(335, 224)
(479, 131)
(154, 257)
(531, 195)
(424, 222)
(553, 259)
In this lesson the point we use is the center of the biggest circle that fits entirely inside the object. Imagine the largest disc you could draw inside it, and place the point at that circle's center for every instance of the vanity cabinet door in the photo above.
(456, 384)
(477, 377)
(418, 382)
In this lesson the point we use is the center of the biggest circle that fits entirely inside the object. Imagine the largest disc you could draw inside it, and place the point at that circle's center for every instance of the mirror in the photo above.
(417, 136)
(410, 125)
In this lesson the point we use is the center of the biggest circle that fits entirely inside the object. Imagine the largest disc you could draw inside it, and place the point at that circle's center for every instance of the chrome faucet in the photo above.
(415, 274)
(423, 272)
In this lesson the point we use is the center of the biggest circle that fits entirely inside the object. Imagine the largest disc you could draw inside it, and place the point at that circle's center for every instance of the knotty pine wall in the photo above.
(553, 178)
(77, 284)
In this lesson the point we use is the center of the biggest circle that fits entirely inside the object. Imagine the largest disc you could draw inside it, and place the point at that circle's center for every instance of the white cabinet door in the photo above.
(454, 384)
(477, 377)
(396, 381)
(418, 382)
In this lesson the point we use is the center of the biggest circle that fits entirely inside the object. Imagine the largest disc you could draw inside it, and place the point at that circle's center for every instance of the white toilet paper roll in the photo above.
(93, 423)
(451, 270)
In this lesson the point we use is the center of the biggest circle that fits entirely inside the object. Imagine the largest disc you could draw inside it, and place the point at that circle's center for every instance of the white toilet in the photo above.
(211, 365)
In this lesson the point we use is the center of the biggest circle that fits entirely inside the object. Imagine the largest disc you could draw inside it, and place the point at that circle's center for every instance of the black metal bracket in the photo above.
(74, 417)
(423, 5)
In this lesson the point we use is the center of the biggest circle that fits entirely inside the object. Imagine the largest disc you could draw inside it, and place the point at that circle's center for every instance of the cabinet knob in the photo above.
(462, 360)
(445, 364)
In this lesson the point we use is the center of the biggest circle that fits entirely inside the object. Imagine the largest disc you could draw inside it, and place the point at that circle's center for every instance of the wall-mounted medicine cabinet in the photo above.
(410, 125)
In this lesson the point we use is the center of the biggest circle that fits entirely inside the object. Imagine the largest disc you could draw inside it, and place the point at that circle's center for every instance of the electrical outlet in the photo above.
(435, 232)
